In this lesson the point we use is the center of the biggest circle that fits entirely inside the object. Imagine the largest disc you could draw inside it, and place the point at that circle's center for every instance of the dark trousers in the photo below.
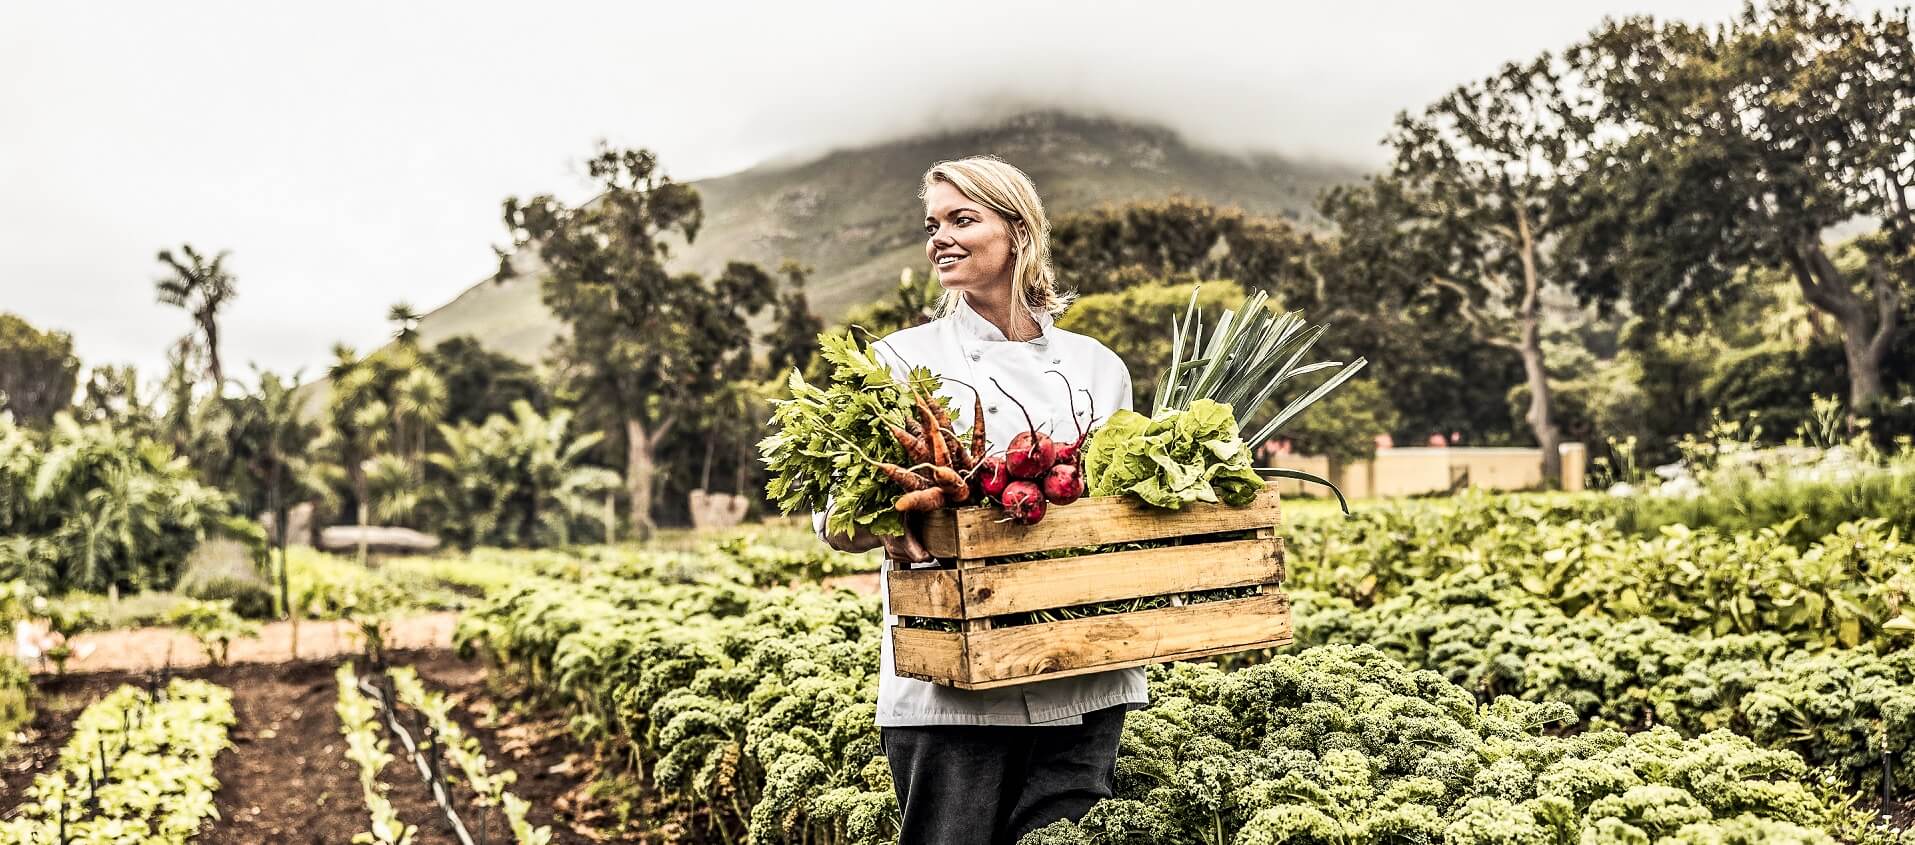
(968, 785)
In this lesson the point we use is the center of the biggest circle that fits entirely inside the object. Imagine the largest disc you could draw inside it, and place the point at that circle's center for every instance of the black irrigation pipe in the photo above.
(427, 771)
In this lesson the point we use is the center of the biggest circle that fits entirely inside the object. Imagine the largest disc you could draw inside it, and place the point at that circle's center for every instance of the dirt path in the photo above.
(148, 649)
(287, 778)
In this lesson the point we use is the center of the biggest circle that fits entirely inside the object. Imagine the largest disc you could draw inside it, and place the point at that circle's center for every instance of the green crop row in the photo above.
(1848, 588)
(366, 747)
(1342, 744)
(1849, 709)
(752, 710)
(137, 768)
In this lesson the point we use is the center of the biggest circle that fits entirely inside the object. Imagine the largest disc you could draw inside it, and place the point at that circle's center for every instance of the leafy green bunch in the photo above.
(1173, 459)
(826, 439)
(138, 768)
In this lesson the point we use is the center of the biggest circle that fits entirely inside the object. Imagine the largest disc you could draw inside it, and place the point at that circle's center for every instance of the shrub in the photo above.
(214, 625)
(16, 699)
(226, 570)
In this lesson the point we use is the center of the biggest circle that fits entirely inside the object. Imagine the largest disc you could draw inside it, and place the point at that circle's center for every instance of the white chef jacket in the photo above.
(966, 346)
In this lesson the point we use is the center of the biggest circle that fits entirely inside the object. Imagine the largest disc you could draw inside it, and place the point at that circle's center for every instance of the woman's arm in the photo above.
(907, 548)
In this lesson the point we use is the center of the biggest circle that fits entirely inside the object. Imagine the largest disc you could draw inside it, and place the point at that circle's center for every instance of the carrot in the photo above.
(939, 454)
(956, 489)
(914, 447)
(977, 424)
(910, 481)
(928, 499)
(960, 456)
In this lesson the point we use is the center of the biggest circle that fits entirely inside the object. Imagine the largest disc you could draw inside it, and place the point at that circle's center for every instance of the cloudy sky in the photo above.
(354, 154)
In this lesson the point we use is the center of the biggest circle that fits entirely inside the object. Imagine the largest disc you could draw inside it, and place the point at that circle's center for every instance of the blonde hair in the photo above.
(1006, 190)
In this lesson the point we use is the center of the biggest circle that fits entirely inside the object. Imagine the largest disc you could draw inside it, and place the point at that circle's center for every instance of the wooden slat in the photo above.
(1278, 642)
(1027, 653)
(1086, 579)
(918, 653)
(976, 532)
(930, 593)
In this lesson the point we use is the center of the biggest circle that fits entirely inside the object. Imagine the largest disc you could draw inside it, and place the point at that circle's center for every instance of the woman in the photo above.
(990, 766)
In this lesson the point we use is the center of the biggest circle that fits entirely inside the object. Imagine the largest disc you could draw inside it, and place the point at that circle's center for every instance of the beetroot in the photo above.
(1023, 502)
(992, 476)
(1067, 452)
(1031, 454)
(1063, 484)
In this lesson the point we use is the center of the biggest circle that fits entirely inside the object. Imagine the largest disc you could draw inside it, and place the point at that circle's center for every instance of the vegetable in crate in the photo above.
(1251, 356)
(1174, 459)
(843, 444)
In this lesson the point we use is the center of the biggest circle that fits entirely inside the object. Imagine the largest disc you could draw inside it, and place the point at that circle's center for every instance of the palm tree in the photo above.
(418, 402)
(518, 480)
(281, 461)
(405, 321)
(357, 424)
(202, 288)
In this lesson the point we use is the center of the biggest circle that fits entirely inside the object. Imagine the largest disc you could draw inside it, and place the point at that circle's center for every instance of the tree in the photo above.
(355, 423)
(37, 371)
(1743, 144)
(280, 462)
(112, 395)
(792, 340)
(1383, 307)
(200, 287)
(479, 382)
(1135, 323)
(642, 342)
(915, 303)
(1473, 204)
(518, 480)
(405, 322)
(1181, 239)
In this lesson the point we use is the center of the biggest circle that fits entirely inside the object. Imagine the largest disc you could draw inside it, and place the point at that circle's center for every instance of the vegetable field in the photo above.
(1517, 668)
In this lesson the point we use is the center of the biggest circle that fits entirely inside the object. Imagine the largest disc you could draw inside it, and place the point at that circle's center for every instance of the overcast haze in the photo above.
(355, 155)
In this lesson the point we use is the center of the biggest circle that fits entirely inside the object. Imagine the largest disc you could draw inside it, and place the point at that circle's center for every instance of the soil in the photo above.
(286, 779)
(151, 649)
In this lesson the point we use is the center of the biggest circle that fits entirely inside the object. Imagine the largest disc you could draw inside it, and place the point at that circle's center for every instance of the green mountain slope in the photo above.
(852, 214)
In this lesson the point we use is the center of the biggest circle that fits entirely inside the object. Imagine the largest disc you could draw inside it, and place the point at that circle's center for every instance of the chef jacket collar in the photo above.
(974, 324)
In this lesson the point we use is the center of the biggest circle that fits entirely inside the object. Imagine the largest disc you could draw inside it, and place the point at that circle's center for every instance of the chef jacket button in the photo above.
(976, 356)
(991, 410)
(1056, 361)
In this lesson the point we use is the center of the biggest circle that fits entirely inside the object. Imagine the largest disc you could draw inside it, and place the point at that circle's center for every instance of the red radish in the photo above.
(993, 476)
(1067, 452)
(1031, 453)
(1063, 484)
(1023, 502)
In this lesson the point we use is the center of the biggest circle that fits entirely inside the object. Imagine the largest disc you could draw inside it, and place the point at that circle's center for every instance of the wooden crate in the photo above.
(981, 655)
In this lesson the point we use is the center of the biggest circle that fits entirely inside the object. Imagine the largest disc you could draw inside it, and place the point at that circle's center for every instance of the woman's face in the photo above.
(969, 244)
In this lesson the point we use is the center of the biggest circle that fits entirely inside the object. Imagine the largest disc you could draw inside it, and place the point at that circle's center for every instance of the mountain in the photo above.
(852, 214)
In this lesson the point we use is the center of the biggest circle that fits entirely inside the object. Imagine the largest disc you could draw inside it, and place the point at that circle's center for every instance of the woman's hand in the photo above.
(906, 547)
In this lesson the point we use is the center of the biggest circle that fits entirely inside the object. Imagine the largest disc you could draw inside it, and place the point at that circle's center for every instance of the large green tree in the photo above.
(642, 343)
(1471, 208)
(37, 371)
(792, 340)
(1183, 239)
(1744, 144)
(480, 382)
(200, 286)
